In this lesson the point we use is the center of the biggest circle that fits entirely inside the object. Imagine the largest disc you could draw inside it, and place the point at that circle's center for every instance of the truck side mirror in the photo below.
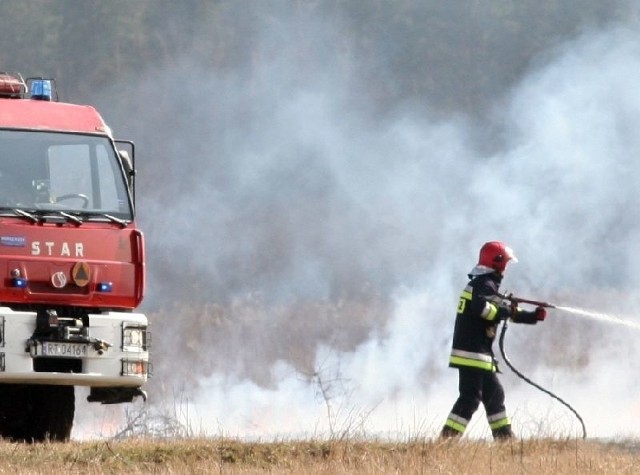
(127, 163)
(127, 155)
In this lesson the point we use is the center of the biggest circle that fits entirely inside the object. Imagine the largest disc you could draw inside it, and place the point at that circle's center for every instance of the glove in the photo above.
(541, 313)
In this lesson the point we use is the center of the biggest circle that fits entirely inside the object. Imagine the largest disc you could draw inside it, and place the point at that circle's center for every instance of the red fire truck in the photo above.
(72, 268)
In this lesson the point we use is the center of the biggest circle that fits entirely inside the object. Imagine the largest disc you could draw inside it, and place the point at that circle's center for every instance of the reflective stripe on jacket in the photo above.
(472, 360)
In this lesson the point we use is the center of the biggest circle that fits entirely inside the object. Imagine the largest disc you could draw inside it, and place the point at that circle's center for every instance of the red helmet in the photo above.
(496, 255)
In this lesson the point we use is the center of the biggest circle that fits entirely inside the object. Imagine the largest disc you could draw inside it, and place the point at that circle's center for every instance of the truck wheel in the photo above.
(14, 412)
(35, 413)
(53, 411)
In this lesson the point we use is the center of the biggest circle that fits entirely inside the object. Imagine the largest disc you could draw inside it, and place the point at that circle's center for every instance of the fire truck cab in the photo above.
(72, 268)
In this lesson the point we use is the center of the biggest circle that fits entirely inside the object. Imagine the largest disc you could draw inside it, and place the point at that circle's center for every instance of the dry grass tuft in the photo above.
(226, 456)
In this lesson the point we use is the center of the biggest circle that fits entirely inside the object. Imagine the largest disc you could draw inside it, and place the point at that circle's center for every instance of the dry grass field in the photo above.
(224, 456)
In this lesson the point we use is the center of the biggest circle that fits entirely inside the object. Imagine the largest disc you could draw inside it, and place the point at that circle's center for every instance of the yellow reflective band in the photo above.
(455, 425)
(490, 312)
(472, 355)
(467, 295)
(500, 423)
(471, 363)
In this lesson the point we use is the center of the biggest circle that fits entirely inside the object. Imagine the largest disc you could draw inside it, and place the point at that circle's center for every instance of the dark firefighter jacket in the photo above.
(480, 310)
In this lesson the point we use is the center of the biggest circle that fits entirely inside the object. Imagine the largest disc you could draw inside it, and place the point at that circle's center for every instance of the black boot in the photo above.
(503, 433)
(449, 433)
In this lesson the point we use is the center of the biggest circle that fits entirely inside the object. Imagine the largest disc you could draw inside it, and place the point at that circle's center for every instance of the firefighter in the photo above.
(480, 310)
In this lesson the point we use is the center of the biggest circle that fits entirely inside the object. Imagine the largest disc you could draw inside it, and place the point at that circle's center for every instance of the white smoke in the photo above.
(309, 187)
(562, 193)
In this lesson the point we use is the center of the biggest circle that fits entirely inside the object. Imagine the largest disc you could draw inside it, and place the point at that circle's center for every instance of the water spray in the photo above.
(598, 316)
(573, 310)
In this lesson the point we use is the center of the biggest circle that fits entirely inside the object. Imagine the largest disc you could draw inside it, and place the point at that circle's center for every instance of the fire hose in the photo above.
(515, 301)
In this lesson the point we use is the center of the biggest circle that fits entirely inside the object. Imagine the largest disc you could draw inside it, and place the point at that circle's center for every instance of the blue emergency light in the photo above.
(104, 287)
(19, 282)
(41, 90)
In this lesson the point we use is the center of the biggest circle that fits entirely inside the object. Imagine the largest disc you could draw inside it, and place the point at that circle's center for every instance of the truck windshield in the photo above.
(61, 172)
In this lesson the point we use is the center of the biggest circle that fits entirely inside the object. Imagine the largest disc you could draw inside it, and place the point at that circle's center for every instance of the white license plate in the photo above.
(64, 350)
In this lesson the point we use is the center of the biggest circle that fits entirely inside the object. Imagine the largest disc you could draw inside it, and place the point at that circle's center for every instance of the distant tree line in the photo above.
(459, 54)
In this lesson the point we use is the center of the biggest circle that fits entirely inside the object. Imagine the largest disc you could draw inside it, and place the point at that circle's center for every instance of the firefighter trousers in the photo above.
(475, 387)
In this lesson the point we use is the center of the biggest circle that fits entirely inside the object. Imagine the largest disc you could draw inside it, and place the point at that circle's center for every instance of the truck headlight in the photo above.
(134, 338)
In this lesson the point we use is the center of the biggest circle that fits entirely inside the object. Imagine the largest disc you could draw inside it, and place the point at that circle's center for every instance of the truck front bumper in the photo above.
(112, 351)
